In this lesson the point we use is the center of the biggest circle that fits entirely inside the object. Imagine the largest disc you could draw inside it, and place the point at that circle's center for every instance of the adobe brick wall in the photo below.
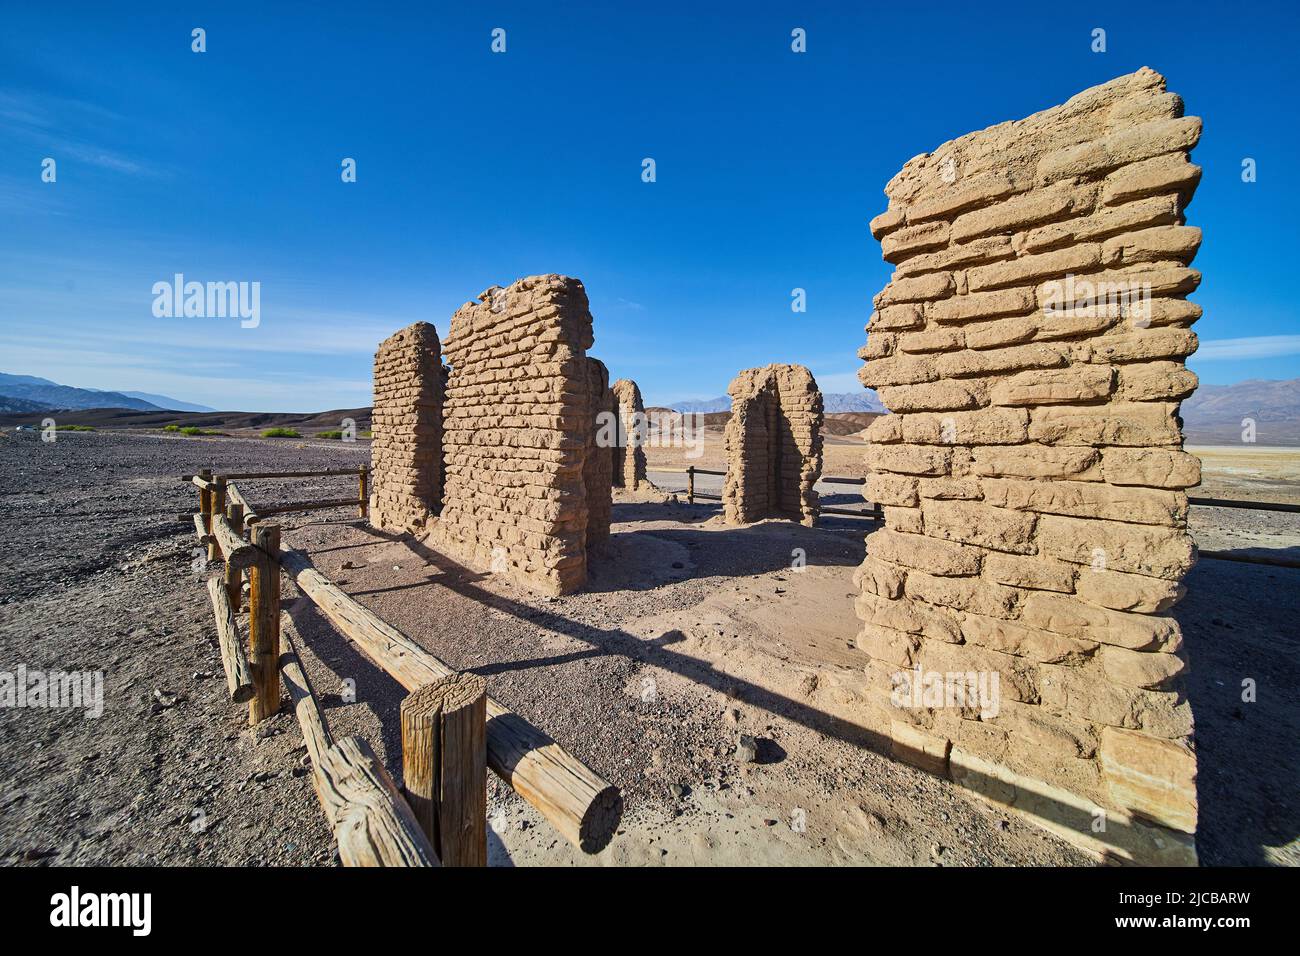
(598, 469)
(1033, 475)
(774, 445)
(518, 426)
(629, 456)
(406, 449)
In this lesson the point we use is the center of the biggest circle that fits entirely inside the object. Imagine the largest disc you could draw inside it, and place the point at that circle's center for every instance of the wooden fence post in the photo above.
(444, 766)
(690, 484)
(218, 507)
(264, 623)
(234, 575)
(363, 503)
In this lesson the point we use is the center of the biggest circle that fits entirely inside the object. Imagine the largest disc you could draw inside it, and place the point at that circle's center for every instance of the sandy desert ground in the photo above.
(690, 634)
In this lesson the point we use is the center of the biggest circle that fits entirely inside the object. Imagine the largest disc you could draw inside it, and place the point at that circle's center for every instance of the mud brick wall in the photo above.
(774, 445)
(517, 432)
(406, 450)
(1032, 476)
(629, 456)
(598, 468)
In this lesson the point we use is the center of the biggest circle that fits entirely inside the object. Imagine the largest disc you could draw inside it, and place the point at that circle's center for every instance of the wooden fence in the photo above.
(876, 513)
(452, 731)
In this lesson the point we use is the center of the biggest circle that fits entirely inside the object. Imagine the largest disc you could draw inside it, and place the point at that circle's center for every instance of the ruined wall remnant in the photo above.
(406, 451)
(518, 428)
(774, 445)
(1031, 346)
(598, 469)
(629, 456)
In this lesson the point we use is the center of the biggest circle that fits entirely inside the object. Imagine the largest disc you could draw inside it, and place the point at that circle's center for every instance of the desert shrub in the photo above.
(280, 433)
(171, 428)
(73, 428)
(334, 435)
(195, 430)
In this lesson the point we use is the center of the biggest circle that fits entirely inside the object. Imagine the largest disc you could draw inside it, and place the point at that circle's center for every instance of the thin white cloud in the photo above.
(103, 158)
(278, 333)
(1251, 347)
(39, 117)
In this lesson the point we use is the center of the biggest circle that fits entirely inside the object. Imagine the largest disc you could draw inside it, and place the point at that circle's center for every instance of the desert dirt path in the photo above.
(691, 634)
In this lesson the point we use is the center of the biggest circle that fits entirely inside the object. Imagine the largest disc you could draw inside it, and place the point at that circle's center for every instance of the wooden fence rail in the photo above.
(875, 514)
(233, 493)
(217, 491)
(451, 729)
(1250, 505)
(319, 473)
(373, 824)
(263, 512)
(234, 659)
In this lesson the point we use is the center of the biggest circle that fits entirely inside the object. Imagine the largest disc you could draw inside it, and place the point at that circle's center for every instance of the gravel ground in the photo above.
(682, 642)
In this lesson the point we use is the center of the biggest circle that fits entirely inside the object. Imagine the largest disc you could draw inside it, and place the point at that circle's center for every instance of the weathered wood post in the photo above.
(205, 504)
(218, 507)
(690, 484)
(235, 575)
(264, 623)
(444, 766)
(234, 661)
(363, 504)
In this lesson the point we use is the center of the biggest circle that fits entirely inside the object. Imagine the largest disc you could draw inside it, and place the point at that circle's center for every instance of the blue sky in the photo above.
(475, 168)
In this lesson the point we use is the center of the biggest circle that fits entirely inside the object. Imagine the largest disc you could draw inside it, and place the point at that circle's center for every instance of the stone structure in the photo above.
(406, 452)
(598, 469)
(774, 445)
(518, 429)
(1031, 345)
(629, 456)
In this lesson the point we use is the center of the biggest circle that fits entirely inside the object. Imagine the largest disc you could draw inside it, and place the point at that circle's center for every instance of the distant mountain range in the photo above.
(27, 393)
(167, 403)
(863, 401)
(1216, 413)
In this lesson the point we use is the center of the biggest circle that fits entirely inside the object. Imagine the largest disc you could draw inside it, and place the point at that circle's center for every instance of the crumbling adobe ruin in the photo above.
(629, 456)
(598, 468)
(1031, 346)
(519, 425)
(774, 445)
(406, 450)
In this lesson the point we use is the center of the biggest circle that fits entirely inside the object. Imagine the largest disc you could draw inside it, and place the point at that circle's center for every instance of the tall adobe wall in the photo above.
(518, 427)
(774, 445)
(406, 450)
(1033, 475)
(629, 456)
(598, 469)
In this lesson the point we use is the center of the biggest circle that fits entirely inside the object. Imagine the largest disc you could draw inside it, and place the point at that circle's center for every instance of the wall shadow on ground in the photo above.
(342, 657)
(642, 560)
(1239, 623)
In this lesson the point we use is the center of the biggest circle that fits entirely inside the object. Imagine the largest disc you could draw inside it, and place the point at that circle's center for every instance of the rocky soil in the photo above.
(698, 672)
